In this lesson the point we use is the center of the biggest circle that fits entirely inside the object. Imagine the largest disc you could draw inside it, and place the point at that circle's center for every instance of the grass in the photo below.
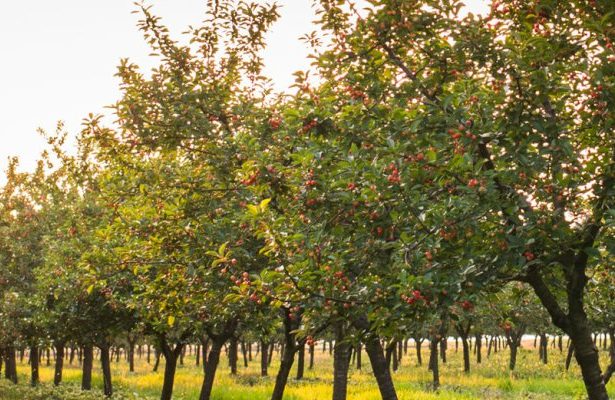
(489, 380)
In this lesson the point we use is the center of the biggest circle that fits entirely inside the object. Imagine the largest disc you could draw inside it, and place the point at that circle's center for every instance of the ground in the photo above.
(490, 380)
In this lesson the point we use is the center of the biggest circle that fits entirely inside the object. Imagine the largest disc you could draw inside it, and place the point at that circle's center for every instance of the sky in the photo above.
(58, 59)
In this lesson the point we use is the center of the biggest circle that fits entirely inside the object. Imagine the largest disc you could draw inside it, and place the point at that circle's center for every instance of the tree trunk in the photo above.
(611, 368)
(244, 352)
(513, 356)
(131, 355)
(34, 365)
(197, 355)
(433, 362)
(380, 370)
(312, 349)
(569, 356)
(341, 363)
(10, 369)
(544, 347)
(232, 355)
(286, 365)
(359, 350)
(59, 365)
(288, 356)
(264, 357)
(418, 343)
(105, 362)
(586, 354)
(300, 361)
(88, 361)
(170, 366)
(211, 366)
(443, 346)
(466, 354)
(479, 348)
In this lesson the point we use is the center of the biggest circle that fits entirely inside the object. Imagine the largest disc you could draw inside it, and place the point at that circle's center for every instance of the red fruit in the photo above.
(351, 186)
(379, 231)
(473, 183)
(274, 123)
(529, 256)
(416, 294)
(466, 305)
(234, 261)
(428, 255)
(420, 157)
(245, 275)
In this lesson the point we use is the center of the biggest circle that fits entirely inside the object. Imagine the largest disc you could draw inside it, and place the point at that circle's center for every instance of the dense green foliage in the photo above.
(445, 174)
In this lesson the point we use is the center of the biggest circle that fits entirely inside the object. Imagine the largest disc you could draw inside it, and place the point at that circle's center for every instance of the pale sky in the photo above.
(58, 59)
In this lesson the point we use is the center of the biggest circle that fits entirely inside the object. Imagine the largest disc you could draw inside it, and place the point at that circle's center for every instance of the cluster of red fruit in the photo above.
(416, 296)
(244, 280)
(310, 341)
(393, 174)
(355, 94)
(340, 281)
(274, 123)
(309, 125)
(251, 180)
(529, 256)
(467, 305)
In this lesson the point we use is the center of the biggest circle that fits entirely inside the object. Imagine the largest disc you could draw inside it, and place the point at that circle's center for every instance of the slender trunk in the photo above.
(300, 361)
(244, 352)
(544, 344)
(157, 355)
(288, 355)
(232, 355)
(71, 357)
(375, 353)
(433, 362)
(311, 347)
(211, 366)
(513, 356)
(479, 348)
(197, 354)
(388, 355)
(34, 365)
(443, 346)
(341, 363)
(131, 355)
(418, 343)
(149, 353)
(359, 350)
(88, 361)
(59, 365)
(264, 357)
(204, 352)
(286, 365)
(170, 366)
(569, 356)
(466, 354)
(105, 362)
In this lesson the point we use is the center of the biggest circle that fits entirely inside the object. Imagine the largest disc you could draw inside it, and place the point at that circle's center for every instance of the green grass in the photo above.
(490, 380)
